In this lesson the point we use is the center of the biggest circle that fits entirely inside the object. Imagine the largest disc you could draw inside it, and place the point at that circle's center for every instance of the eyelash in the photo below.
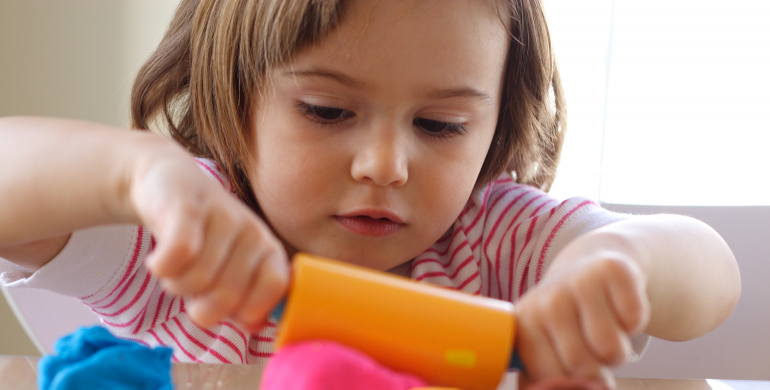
(447, 129)
(312, 111)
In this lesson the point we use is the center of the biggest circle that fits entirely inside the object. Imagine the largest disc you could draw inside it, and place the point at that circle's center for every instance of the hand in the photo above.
(579, 319)
(209, 243)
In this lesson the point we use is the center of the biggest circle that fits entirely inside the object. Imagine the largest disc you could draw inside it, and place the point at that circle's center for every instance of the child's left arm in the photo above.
(668, 276)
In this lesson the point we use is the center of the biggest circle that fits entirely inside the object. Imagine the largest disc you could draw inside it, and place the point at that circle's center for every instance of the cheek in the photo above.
(293, 165)
(277, 159)
(451, 182)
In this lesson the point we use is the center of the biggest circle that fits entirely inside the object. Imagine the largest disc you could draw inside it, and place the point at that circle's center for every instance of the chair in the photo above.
(47, 316)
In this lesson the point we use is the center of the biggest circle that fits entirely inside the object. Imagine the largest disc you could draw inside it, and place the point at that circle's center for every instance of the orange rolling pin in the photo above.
(448, 338)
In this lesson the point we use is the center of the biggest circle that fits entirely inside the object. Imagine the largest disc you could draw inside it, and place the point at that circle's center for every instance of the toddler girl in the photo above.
(413, 136)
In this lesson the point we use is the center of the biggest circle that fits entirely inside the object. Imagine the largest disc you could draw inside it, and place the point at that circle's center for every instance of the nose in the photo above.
(381, 157)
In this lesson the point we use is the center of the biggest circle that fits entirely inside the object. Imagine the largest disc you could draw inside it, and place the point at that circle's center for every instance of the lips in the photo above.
(371, 223)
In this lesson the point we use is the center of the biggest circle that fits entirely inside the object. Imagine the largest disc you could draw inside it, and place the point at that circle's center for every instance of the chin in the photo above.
(375, 259)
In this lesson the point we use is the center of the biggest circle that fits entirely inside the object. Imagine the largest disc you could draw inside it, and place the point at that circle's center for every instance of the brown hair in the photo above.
(200, 83)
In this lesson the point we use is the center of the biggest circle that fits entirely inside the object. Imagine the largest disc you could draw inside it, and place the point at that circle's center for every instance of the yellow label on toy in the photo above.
(460, 358)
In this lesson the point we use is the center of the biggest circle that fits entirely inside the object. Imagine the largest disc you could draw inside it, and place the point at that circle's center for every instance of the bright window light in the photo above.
(687, 91)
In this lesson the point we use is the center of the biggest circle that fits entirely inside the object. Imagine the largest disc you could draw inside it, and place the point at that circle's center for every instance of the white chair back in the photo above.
(47, 316)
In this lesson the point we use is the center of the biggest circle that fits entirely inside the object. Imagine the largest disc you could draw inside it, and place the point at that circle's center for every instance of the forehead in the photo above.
(411, 44)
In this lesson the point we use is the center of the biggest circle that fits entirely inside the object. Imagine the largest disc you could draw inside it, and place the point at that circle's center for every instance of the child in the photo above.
(380, 133)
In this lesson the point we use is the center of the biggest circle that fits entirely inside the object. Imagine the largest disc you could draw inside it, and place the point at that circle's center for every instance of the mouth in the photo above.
(371, 223)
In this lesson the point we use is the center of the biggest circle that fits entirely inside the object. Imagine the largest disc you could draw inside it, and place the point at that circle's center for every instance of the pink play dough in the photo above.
(326, 365)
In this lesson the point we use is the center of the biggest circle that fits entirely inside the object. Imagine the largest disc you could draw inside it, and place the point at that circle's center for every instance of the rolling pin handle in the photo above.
(515, 363)
(277, 312)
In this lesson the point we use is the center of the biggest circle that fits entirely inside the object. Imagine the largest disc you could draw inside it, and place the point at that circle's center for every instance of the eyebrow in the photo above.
(448, 93)
(338, 77)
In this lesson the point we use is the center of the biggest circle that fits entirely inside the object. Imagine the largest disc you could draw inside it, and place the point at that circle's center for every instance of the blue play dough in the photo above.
(92, 358)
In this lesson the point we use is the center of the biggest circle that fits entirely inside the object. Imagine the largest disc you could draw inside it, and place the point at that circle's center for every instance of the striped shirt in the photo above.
(499, 246)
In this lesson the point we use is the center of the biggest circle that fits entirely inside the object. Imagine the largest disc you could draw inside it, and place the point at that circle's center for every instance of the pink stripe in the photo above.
(189, 355)
(502, 215)
(139, 324)
(532, 223)
(523, 280)
(134, 258)
(513, 248)
(120, 295)
(453, 236)
(490, 267)
(461, 266)
(170, 305)
(467, 281)
(454, 253)
(211, 171)
(219, 337)
(512, 262)
(264, 339)
(481, 210)
(431, 275)
(173, 356)
(476, 244)
(236, 330)
(466, 210)
(540, 207)
(547, 244)
(133, 301)
(199, 343)
(260, 354)
(499, 194)
(157, 308)
(152, 332)
(123, 325)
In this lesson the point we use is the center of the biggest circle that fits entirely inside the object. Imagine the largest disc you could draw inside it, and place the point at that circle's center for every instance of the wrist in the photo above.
(139, 152)
(605, 242)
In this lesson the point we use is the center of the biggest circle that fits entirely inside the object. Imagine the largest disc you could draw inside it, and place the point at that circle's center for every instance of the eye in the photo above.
(324, 115)
(438, 128)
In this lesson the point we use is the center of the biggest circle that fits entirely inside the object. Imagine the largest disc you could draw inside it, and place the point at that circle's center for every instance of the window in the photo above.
(667, 100)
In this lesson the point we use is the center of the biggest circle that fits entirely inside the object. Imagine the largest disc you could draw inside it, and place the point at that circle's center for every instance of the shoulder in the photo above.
(506, 200)
(501, 198)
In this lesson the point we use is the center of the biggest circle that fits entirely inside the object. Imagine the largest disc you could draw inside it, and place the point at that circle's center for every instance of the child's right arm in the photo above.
(59, 176)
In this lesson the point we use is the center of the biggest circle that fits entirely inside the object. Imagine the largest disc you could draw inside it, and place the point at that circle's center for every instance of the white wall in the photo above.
(740, 347)
(73, 59)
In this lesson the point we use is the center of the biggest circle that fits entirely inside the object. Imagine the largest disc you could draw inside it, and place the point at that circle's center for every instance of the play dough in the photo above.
(325, 365)
(92, 358)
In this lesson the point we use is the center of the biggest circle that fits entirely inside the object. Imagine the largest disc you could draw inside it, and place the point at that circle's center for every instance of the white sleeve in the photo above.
(89, 260)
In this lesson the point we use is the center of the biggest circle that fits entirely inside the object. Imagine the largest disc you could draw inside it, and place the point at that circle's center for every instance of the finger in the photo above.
(533, 344)
(628, 295)
(566, 336)
(605, 337)
(230, 288)
(270, 285)
(200, 276)
(179, 243)
(607, 378)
